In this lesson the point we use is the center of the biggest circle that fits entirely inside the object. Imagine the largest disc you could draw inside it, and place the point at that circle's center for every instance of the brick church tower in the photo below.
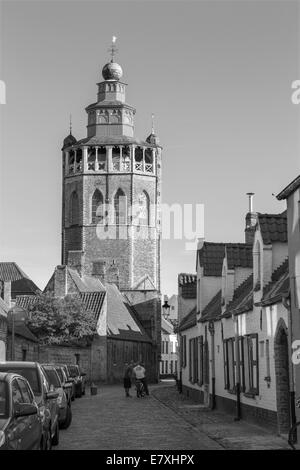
(111, 199)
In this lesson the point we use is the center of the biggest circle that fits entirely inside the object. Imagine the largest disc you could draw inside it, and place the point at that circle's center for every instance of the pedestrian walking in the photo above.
(139, 373)
(127, 378)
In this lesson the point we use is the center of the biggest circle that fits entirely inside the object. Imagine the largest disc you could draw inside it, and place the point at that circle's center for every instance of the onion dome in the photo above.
(112, 71)
(152, 139)
(69, 140)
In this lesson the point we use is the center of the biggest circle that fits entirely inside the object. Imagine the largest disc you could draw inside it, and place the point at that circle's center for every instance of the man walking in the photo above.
(127, 378)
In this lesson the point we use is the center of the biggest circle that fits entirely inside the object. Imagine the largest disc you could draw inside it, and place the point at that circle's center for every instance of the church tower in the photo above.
(111, 225)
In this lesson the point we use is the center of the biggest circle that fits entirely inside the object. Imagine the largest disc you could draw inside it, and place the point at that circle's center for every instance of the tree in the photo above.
(60, 320)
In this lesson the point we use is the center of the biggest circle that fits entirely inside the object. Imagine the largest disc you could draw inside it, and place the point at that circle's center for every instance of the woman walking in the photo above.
(127, 378)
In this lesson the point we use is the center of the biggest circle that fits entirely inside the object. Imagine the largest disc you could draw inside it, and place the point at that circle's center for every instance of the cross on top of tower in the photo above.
(113, 49)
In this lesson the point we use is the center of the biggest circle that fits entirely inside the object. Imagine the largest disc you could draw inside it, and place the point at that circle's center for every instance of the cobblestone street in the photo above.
(111, 421)
(163, 421)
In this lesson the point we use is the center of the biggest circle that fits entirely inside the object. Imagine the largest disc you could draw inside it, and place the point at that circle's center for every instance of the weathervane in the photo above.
(113, 48)
(71, 124)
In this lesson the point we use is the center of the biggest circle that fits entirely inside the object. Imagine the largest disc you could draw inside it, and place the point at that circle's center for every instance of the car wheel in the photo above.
(68, 419)
(55, 439)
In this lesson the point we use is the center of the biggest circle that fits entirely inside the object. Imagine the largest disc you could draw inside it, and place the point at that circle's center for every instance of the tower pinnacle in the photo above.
(113, 48)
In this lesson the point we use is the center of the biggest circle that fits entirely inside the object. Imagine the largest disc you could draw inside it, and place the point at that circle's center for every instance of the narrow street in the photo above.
(110, 421)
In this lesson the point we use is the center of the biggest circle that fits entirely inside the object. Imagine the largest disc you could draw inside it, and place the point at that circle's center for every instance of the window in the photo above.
(167, 347)
(16, 393)
(229, 364)
(162, 367)
(183, 350)
(195, 357)
(171, 364)
(262, 348)
(97, 207)
(120, 207)
(77, 358)
(166, 371)
(144, 209)
(250, 364)
(200, 374)
(74, 208)
(26, 394)
(190, 360)
(162, 347)
(24, 354)
(116, 158)
(205, 362)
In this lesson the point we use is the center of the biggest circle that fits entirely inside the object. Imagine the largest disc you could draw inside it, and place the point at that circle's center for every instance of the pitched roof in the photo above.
(86, 283)
(210, 257)
(279, 285)
(213, 309)
(122, 322)
(25, 301)
(20, 282)
(239, 255)
(93, 301)
(242, 300)
(188, 321)
(166, 326)
(10, 271)
(184, 279)
(289, 189)
(273, 227)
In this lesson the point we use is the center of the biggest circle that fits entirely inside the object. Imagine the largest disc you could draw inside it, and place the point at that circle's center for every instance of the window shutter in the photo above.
(225, 358)
(201, 360)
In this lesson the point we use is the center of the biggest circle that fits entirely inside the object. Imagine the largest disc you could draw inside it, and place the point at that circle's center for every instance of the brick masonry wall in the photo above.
(24, 349)
(66, 355)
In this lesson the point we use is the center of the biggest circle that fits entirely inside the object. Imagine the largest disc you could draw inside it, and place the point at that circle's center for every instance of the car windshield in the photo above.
(3, 400)
(30, 374)
(60, 374)
(52, 377)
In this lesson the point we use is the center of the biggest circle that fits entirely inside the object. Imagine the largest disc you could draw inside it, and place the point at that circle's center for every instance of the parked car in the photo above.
(20, 424)
(69, 379)
(65, 413)
(79, 380)
(67, 385)
(45, 398)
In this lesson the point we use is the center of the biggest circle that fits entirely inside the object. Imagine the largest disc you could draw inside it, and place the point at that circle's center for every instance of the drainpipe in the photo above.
(237, 356)
(287, 305)
(211, 328)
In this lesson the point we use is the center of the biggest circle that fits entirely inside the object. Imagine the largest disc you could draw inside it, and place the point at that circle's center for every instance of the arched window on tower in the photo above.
(148, 161)
(138, 157)
(91, 158)
(79, 159)
(116, 158)
(120, 205)
(126, 158)
(74, 208)
(71, 161)
(97, 207)
(102, 158)
(144, 209)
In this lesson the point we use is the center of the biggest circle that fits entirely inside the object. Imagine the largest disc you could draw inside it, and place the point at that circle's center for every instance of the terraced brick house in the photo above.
(237, 340)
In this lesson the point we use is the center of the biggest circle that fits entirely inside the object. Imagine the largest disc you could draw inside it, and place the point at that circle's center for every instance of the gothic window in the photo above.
(78, 165)
(126, 158)
(102, 158)
(120, 204)
(71, 161)
(114, 118)
(138, 159)
(91, 158)
(116, 158)
(74, 208)
(144, 209)
(97, 207)
(148, 161)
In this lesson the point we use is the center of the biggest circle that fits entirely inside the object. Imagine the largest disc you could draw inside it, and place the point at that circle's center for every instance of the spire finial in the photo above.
(152, 126)
(113, 48)
(70, 124)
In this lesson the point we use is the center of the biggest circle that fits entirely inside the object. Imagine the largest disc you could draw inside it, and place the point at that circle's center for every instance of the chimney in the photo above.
(251, 219)
(60, 281)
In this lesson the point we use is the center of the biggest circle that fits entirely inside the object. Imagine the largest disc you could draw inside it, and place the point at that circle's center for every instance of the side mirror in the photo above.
(25, 409)
(52, 395)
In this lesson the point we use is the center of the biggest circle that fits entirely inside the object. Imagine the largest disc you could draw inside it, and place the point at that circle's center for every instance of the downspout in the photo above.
(287, 305)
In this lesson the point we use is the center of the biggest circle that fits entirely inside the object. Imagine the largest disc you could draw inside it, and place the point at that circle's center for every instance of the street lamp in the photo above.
(166, 308)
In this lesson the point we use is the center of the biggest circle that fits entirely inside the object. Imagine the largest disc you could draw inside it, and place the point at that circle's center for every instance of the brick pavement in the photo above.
(110, 421)
(219, 426)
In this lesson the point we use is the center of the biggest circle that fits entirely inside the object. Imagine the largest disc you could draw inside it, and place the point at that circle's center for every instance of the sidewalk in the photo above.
(217, 425)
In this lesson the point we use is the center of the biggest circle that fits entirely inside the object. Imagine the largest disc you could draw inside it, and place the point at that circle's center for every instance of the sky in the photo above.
(216, 74)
